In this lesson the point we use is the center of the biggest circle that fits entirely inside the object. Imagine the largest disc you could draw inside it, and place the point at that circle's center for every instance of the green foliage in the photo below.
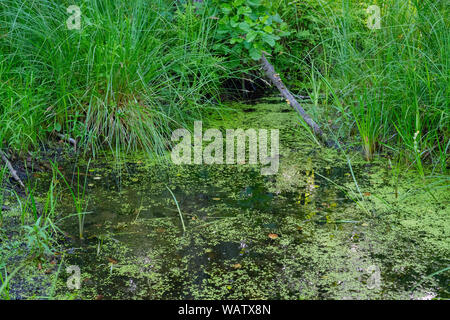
(4, 288)
(247, 27)
(386, 87)
(132, 73)
(139, 69)
(308, 26)
(38, 237)
(77, 193)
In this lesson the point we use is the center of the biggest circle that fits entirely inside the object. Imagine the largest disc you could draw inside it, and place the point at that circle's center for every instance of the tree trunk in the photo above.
(276, 80)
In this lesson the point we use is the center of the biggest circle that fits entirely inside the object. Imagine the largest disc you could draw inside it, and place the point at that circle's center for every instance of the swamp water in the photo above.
(304, 233)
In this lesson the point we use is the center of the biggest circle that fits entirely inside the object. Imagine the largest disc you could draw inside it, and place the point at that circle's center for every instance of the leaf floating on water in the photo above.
(273, 236)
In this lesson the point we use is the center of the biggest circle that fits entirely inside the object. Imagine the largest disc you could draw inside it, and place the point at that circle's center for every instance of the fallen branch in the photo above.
(11, 170)
(276, 80)
(69, 139)
(302, 97)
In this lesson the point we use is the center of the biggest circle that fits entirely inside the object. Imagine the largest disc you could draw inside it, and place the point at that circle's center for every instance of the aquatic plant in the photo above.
(39, 240)
(178, 208)
(40, 232)
(5, 280)
(78, 194)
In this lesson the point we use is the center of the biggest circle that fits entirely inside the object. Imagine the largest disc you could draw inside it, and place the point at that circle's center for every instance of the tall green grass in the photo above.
(391, 83)
(135, 70)
(39, 215)
(138, 69)
(78, 195)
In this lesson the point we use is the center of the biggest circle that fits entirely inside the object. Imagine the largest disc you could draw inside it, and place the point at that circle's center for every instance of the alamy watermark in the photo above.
(374, 281)
(74, 20)
(374, 20)
(235, 144)
(74, 281)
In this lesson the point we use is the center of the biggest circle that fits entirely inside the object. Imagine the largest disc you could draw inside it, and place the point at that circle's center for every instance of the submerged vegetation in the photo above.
(307, 233)
(86, 114)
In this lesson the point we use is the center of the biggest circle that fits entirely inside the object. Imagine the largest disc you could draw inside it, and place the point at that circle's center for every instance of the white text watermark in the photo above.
(235, 147)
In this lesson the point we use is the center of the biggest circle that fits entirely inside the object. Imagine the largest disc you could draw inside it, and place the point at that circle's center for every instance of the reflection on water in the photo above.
(296, 235)
(136, 213)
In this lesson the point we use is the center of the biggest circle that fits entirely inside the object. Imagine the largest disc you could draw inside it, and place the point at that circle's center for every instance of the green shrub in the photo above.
(132, 72)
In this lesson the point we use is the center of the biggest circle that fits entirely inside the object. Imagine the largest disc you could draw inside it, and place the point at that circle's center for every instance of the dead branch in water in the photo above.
(67, 138)
(276, 80)
(12, 171)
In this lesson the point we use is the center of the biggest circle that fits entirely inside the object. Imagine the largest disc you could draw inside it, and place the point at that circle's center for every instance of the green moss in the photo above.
(327, 239)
